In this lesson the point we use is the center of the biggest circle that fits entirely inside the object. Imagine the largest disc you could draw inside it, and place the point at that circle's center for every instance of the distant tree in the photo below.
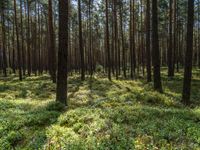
(170, 47)
(22, 38)
(28, 39)
(175, 56)
(13, 47)
(107, 42)
(148, 39)
(90, 38)
(51, 52)
(18, 46)
(81, 42)
(132, 38)
(122, 39)
(116, 48)
(188, 55)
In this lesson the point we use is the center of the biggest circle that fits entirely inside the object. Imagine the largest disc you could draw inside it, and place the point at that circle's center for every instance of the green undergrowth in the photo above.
(102, 115)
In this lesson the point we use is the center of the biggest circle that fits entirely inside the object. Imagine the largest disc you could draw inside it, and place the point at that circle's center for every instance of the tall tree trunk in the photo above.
(122, 41)
(9, 45)
(28, 40)
(189, 54)
(107, 42)
(39, 40)
(51, 52)
(22, 39)
(155, 48)
(170, 48)
(175, 37)
(90, 39)
(61, 92)
(35, 34)
(132, 38)
(18, 46)
(198, 34)
(13, 47)
(81, 42)
(116, 39)
(148, 39)
(4, 39)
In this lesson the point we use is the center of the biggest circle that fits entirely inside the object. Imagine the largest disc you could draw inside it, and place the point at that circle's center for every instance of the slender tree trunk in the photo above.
(122, 41)
(116, 39)
(155, 48)
(90, 39)
(28, 40)
(18, 46)
(39, 40)
(107, 42)
(178, 39)
(35, 34)
(148, 39)
(4, 39)
(198, 62)
(175, 38)
(81, 42)
(22, 39)
(132, 39)
(51, 52)
(9, 46)
(13, 47)
(170, 48)
(189, 54)
(61, 92)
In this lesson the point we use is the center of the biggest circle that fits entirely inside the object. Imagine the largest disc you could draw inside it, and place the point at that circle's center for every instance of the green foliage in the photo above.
(101, 115)
(99, 68)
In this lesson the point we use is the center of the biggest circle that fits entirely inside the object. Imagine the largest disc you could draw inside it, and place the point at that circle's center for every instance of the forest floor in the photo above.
(117, 115)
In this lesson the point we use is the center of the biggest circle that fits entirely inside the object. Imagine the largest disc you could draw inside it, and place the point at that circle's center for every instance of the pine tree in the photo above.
(61, 92)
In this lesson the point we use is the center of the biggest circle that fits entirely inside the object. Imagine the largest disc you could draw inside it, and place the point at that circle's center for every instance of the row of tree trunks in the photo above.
(33, 41)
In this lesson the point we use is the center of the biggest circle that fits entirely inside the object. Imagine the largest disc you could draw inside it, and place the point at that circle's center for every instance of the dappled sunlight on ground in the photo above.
(101, 115)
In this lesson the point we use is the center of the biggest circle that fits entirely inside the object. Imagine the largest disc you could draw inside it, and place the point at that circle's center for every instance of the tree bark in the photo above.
(61, 91)
(28, 39)
(170, 48)
(51, 52)
(107, 42)
(148, 39)
(18, 46)
(4, 39)
(155, 48)
(81, 42)
(22, 39)
(188, 55)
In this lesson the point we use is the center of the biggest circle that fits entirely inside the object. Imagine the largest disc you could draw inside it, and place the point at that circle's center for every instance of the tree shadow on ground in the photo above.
(118, 100)
(23, 122)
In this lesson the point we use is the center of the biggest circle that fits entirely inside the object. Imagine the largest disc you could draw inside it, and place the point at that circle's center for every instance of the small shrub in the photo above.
(14, 137)
(99, 68)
